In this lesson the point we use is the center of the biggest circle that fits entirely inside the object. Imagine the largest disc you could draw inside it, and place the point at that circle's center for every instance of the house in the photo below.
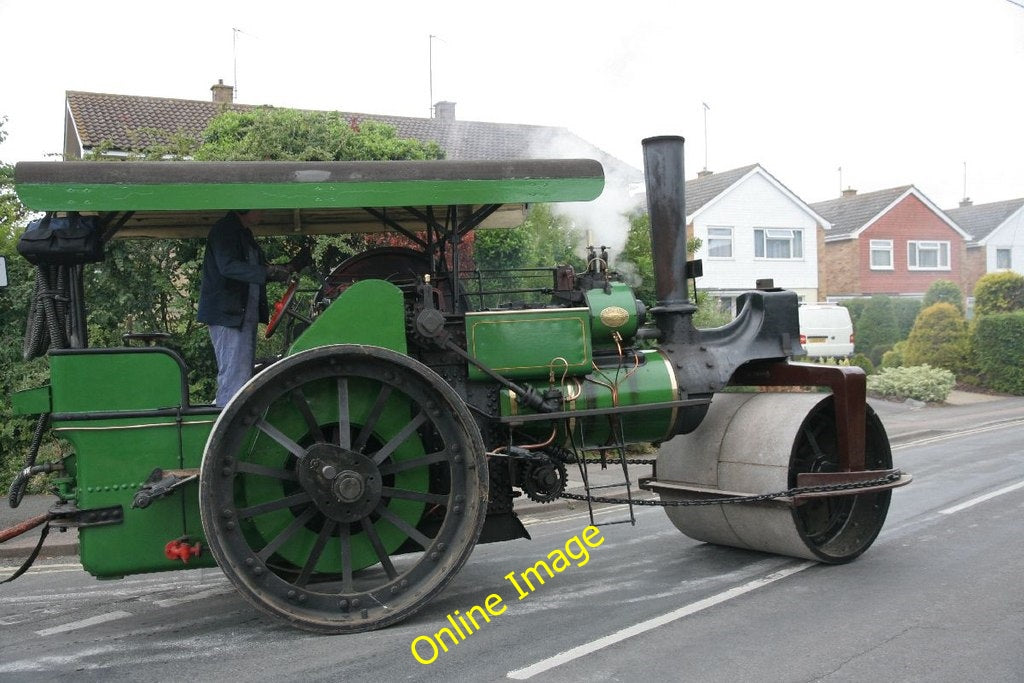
(752, 227)
(114, 125)
(893, 241)
(997, 230)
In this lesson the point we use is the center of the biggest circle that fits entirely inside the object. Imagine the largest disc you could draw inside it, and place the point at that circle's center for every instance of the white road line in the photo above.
(958, 433)
(644, 626)
(171, 602)
(981, 499)
(91, 621)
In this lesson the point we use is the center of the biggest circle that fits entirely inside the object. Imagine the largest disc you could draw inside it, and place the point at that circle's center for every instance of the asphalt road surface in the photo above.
(939, 597)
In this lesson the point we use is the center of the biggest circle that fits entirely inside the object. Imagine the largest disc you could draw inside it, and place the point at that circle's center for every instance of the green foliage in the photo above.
(863, 362)
(998, 343)
(906, 311)
(999, 293)
(920, 382)
(939, 338)
(893, 358)
(876, 329)
(269, 134)
(944, 290)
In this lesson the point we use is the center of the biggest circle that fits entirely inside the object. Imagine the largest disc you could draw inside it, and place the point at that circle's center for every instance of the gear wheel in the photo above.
(543, 481)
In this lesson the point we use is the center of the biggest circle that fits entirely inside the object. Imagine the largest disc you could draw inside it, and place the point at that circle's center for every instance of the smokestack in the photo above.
(666, 203)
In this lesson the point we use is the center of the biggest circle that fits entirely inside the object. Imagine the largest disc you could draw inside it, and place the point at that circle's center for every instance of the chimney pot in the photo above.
(223, 94)
(444, 111)
(849, 192)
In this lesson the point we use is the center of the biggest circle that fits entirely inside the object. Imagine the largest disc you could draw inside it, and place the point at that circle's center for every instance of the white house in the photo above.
(752, 227)
(997, 232)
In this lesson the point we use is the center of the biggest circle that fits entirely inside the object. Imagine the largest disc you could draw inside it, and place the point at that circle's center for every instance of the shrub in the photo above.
(856, 308)
(998, 344)
(876, 328)
(999, 293)
(939, 338)
(894, 357)
(944, 290)
(863, 362)
(906, 312)
(921, 382)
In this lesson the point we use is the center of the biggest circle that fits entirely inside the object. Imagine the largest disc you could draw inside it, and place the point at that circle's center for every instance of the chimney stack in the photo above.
(444, 111)
(222, 94)
(966, 201)
(705, 173)
(849, 192)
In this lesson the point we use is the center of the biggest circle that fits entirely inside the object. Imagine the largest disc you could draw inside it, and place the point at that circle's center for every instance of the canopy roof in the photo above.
(184, 198)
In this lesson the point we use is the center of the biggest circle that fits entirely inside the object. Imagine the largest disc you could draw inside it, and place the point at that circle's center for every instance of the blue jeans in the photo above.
(235, 348)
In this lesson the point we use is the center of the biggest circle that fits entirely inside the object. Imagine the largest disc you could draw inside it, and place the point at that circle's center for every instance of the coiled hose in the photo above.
(20, 483)
(49, 325)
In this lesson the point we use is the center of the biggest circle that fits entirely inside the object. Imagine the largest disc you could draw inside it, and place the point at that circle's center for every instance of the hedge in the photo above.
(998, 342)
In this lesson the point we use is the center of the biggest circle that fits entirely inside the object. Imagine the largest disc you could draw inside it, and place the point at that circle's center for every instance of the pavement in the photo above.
(904, 422)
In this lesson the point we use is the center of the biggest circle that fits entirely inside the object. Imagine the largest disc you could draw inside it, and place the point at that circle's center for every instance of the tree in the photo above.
(939, 338)
(269, 134)
(11, 210)
(876, 330)
(999, 293)
(944, 290)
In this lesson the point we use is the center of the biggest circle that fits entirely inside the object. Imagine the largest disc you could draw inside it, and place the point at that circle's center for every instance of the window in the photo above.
(1003, 259)
(719, 242)
(778, 243)
(928, 255)
(881, 254)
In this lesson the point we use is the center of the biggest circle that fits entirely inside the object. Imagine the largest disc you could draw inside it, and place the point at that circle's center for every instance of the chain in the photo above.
(881, 481)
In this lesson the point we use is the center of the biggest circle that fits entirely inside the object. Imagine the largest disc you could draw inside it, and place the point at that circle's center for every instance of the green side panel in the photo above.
(115, 379)
(31, 401)
(612, 311)
(370, 312)
(195, 430)
(114, 458)
(648, 383)
(531, 343)
(197, 196)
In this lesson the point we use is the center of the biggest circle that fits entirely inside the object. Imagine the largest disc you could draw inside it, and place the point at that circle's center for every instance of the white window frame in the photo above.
(940, 247)
(880, 247)
(1009, 258)
(795, 237)
(725, 236)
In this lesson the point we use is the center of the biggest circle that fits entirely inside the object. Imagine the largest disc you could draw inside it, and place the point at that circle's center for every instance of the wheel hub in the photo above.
(345, 485)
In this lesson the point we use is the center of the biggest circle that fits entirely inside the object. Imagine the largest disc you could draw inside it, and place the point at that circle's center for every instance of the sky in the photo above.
(868, 94)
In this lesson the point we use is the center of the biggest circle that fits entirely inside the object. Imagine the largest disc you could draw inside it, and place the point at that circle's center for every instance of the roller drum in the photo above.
(758, 443)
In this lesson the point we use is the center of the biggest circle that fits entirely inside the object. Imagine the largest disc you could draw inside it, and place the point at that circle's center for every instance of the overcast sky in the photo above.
(893, 91)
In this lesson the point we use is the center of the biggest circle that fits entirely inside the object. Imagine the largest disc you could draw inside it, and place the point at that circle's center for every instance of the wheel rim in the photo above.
(838, 528)
(337, 460)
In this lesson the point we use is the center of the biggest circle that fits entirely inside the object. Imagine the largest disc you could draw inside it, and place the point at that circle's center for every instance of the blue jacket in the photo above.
(227, 274)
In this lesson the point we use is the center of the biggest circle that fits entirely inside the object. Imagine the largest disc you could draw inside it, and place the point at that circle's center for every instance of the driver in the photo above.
(233, 296)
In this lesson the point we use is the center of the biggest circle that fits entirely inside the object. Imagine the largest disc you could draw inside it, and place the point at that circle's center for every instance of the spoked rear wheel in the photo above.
(343, 488)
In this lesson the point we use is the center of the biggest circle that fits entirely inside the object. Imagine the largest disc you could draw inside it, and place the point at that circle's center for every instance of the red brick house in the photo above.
(893, 241)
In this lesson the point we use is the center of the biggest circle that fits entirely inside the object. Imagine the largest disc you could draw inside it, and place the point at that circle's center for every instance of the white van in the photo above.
(826, 330)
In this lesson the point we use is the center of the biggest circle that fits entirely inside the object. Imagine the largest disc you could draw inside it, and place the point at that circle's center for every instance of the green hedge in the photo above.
(998, 342)
(939, 338)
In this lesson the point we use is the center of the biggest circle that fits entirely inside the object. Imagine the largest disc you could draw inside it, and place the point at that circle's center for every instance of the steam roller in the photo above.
(772, 441)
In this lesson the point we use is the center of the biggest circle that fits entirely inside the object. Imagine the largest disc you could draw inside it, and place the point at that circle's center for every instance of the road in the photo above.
(939, 597)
